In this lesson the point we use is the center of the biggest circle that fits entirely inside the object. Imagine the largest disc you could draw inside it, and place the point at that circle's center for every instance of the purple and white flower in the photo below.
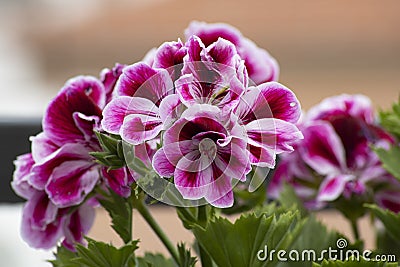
(268, 113)
(214, 75)
(259, 63)
(204, 154)
(335, 159)
(60, 174)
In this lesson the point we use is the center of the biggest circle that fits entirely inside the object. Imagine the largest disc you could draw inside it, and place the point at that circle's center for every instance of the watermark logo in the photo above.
(340, 252)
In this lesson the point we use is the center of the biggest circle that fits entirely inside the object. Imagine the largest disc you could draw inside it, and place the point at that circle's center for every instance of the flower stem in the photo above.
(202, 220)
(142, 209)
(354, 227)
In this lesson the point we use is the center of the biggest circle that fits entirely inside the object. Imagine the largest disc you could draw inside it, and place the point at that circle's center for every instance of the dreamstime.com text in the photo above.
(338, 253)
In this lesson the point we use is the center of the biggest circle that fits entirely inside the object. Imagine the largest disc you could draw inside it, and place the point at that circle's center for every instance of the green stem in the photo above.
(202, 220)
(142, 209)
(355, 230)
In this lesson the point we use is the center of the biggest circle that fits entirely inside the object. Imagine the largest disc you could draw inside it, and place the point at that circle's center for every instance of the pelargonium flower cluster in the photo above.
(213, 123)
(335, 163)
(211, 105)
(58, 177)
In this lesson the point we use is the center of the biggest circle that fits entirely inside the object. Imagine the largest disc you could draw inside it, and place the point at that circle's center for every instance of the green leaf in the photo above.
(190, 215)
(99, 254)
(246, 200)
(390, 120)
(154, 260)
(386, 244)
(390, 220)
(237, 244)
(185, 256)
(112, 154)
(354, 263)
(120, 211)
(313, 236)
(390, 159)
(288, 198)
(64, 258)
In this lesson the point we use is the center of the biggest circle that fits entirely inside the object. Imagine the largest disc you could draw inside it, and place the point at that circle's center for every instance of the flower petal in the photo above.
(88, 85)
(269, 100)
(109, 78)
(140, 80)
(323, 150)
(210, 32)
(87, 125)
(42, 147)
(260, 65)
(233, 160)
(137, 129)
(71, 182)
(274, 134)
(389, 199)
(219, 193)
(41, 171)
(40, 226)
(77, 225)
(118, 180)
(20, 183)
(166, 158)
(169, 56)
(192, 184)
(358, 106)
(59, 124)
(119, 108)
(332, 187)
(170, 110)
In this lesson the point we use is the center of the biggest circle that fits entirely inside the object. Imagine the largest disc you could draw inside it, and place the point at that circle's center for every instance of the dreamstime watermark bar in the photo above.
(311, 255)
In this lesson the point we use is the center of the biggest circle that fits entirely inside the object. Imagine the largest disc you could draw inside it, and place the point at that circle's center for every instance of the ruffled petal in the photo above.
(166, 158)
(42, 147)
(274, 134)
(358, 106)
(20, 183)
(193, 182)
(210, 32)
(71, 182)
(260, 65)
(41, 172)
(269, 100)
(389, 199)
(219, 193)
(88, 85)
(214, 75)
(170, 110)
(137, 129)
(169, 56)
(41, 225)
(87, 125)
(333, 186)
(77, 225)
(109, 78)
(118, 180)
(119, 108)
(233, 159)
(58, 122)
(194, 121)
(141, 80)
(323, 150)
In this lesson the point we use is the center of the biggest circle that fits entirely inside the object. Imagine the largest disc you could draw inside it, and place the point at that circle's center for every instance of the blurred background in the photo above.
(323, 48)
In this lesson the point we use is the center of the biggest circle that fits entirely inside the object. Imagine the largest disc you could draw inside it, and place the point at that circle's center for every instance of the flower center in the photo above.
(208, 147)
